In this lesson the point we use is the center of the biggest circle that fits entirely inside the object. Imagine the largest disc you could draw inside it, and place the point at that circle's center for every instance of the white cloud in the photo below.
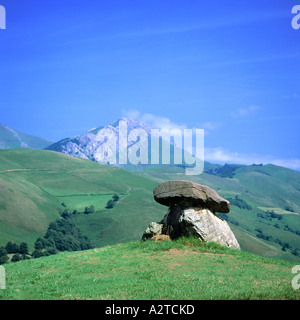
(155, 122)
(215, 155)
(164, 124)
(131, 113)
(220, 155)
(242, 112)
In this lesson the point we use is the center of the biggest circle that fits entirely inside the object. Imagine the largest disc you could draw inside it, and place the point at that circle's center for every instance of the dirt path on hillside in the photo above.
(18, 170)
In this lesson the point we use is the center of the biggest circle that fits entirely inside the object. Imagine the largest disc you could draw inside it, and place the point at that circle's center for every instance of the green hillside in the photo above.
(10, 139)
(34, 185)
(179, 270)
(38, 186)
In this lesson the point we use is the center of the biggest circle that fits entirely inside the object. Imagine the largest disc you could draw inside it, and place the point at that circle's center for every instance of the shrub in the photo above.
(66, 214)
(115, 197)
(37, 253)
(41, 243)
(86, 210)
(3, 256)
(288, 208)
(90, 209)
(50, 251)
(242, 204)
(16, 257)
(23, 248)
(110, 204)
(12, 247)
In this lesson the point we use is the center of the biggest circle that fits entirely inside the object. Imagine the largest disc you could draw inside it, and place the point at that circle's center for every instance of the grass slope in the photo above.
(34, 184)
(10, 139)
(183, 269)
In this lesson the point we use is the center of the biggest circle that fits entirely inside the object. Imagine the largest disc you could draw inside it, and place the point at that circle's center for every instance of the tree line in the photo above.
(239, 202)
(61, 235)
(284, 245)
(20, 252)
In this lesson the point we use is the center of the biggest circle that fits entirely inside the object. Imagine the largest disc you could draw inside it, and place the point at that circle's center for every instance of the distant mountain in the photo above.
(12, 139)
(99, 144)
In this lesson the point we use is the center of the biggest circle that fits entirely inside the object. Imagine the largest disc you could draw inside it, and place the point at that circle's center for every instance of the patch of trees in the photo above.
(17, 252)
(111, 203)
(237, 201)
(269, 215)
(289, 229)
(90, 209)
(261, 235)
(227, 171)
(288, 208)
(67, 213)
(61, 235)
(284, 245)
(12, 247)
(3, 256)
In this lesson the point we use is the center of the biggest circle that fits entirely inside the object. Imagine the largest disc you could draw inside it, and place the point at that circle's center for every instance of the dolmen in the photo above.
(192, 212)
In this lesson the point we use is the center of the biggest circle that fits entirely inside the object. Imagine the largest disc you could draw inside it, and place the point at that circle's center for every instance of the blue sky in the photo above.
(230, 67)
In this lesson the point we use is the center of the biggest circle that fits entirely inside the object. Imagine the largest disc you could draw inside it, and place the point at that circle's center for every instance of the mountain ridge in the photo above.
(93, 145)
(11, 139)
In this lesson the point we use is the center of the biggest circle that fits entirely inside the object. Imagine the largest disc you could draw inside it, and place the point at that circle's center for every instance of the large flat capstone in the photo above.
(190, 194)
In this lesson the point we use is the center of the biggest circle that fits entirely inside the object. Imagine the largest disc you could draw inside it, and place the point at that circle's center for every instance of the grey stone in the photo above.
(152, 230)
(191, 212)
(190, 194)
(205, 225)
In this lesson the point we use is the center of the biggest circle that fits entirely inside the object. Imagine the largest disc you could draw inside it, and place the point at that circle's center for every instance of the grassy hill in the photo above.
(37, 186)
(179, 270)
(10, 139)
(34, 184)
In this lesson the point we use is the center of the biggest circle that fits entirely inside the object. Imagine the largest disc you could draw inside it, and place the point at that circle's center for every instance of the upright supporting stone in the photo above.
(171, 222)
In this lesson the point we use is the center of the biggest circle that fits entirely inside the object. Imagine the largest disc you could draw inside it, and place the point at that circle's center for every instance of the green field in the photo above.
(179, 270)
(277, 210)
(80, 201)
